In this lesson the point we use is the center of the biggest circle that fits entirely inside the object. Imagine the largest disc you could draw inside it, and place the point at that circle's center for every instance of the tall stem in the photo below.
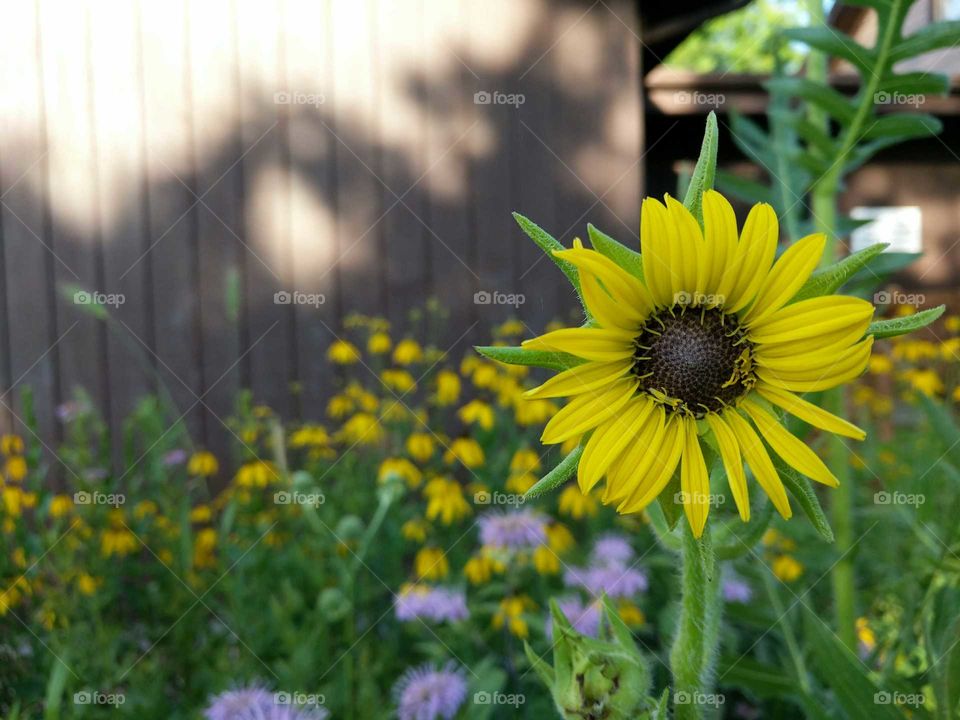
(694, 649)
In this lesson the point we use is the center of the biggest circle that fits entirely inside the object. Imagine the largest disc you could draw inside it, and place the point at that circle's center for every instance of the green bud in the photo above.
(605, 677)
(350, 528)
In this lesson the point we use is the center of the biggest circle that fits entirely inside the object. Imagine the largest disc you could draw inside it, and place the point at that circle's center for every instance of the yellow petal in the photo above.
(846, 366)
(581, 379)
(808, 412)
(605, 309)
(609, 440)
(788, 275)
(755, 253)
(830, 343)
(587, 411)
(690, 249)
(811, 318)
(694, 479)
(598, 344)
(655, 252)
(661, 470)
(759, 462)
(623, 287)
(629, 469)
(720, 231)
(732, 463)
(793, 451)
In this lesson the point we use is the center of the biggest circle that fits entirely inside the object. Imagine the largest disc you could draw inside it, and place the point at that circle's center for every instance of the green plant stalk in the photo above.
(788, 635)
(694, 648)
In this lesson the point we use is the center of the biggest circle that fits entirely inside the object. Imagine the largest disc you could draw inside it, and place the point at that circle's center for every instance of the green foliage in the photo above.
(907, 324)
(743, 41)
(558, 476)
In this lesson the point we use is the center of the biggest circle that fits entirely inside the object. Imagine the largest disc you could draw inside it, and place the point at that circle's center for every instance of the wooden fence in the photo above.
(184, 162)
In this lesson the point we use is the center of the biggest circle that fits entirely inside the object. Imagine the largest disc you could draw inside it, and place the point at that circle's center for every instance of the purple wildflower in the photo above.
(433, 604)
(426, 693)
(735, 588)
(513, 530)
(256, 703)
(614, 580)
(612, 550)
(175, 457)
(585, 619)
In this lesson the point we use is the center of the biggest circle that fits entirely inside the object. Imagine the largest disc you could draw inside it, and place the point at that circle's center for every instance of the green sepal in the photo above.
(704, 172)
(513, 355)
(556, 477)
(903, 325)
(623, 256)
(549, 244)
(802, 490)
(832, 278)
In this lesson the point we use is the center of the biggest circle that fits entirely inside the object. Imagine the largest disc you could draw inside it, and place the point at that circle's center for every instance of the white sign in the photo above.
(899, 227)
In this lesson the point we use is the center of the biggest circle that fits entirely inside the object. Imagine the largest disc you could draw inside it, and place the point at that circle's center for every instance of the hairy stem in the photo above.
(694, 648)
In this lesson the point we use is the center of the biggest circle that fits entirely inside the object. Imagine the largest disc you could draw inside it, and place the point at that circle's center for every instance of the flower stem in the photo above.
(694, 649)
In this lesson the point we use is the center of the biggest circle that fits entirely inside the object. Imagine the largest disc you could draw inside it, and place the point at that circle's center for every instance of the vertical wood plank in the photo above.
(213, 76)
(359, 181)
(115, 73)
(173, 210)
(450, 233)
(308, 51)
(74, 190)
(28, 254)
(264, 118)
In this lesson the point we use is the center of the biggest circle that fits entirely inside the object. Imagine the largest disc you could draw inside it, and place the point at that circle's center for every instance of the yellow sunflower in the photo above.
(701, 349)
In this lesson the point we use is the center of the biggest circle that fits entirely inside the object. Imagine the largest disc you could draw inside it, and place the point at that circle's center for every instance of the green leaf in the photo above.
(815, 137)
(903, 325)
(749, 190)
(704, 172)
(540, 666)
(760, 679)
(834, 103)
(535, 358)
(556, 477)
(803, 492)
(915, 83)
(837, 44)
(927, 38)
(623, 256)
(832, 278)
(904, 126)
(54, 693)
(548, 244)
(941, 419)
(843, 672)
(672, 510)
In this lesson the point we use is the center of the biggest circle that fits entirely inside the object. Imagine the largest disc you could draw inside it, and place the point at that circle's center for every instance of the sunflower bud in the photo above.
(603, 677)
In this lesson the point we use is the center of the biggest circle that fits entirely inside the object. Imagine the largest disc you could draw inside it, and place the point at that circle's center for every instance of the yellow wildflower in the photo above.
(60, 505)
(880, 364)
(399, 380)
(925, 381)
(257, 473)
(87, 584)
(343, 352)
(534, 412)
(415, 530)
(402, 468)
(310, 436)
(477, 412)
(362, 428)
(16, 468)
(545, 561)
(407, 352)
(142, 509)
(787, 568)
(203, 464)
(630, 614)
(574, 503)
(431, 564)
(445, 500)
(421, 446)
(525, 460)
(448, 388)
(379, 344)
(519, 484)
(511, 614)
(465, 450)
(559, 538)
(11, 445)
(201, 514)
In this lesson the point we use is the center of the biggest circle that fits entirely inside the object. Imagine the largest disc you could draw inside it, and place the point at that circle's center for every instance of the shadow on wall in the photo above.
(229, 180)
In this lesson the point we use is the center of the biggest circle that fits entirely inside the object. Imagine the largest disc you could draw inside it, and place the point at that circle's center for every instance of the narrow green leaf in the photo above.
(927, 38)
(546, 242)
(556, 477)
(761, 679)
(816, 137)
(623, 256)
(704, 172)
(745, 189)
(534, 358)
(836, 104)
(835, 43)
(540, 666)
(843, 672)
(803, 491)
(903, 325)
(830, 279)
(904, 126)
(55, 686)
(915, 83)
(943, 423)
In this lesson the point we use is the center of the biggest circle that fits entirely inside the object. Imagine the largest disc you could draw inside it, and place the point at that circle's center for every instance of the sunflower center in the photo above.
(696, 360)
